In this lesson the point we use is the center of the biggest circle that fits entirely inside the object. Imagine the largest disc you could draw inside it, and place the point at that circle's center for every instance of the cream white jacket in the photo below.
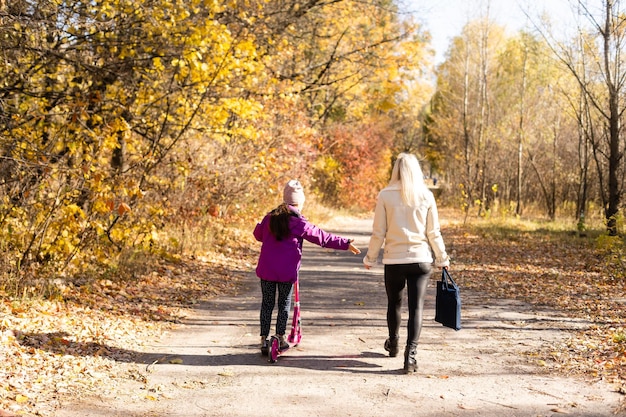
(410, 235)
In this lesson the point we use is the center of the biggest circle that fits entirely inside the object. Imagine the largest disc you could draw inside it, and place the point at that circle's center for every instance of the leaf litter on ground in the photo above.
(78, 344)
(555, 270)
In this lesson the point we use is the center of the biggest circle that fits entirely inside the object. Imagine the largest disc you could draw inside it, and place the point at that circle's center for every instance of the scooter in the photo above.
(295, 336)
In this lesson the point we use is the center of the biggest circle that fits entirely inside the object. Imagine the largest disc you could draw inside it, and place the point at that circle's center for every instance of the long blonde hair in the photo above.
(408, 173)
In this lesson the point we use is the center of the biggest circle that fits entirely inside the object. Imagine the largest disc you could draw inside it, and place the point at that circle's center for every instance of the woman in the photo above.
(406, 221)
(282, 232)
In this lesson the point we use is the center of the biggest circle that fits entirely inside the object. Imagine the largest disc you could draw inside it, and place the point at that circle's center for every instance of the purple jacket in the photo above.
(279, 261)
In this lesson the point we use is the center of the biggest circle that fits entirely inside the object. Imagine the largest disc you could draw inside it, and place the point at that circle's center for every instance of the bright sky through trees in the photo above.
(444, 19)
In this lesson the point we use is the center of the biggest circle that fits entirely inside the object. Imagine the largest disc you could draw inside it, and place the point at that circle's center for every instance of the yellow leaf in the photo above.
(21, 399)
(176, 361)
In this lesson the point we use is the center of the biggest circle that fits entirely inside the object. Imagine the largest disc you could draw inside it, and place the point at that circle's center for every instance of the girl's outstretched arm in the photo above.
(310, 232)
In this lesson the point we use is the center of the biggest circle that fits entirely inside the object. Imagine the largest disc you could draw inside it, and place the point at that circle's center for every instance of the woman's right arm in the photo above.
(433, 233)
(379, 230)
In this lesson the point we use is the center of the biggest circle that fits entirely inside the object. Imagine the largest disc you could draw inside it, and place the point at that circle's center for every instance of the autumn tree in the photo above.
(350, 64)
(463, 109)
(122, 117)
(100, 99)
(533, 86)
(595, 59)
(527, 119)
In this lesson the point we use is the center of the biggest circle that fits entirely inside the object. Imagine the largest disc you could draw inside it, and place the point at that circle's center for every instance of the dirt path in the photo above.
(211, 366)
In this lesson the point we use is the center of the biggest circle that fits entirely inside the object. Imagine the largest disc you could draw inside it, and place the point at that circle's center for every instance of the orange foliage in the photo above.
(364, 154)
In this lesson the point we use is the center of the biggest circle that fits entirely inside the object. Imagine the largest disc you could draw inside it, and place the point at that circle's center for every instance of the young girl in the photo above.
(282, 232)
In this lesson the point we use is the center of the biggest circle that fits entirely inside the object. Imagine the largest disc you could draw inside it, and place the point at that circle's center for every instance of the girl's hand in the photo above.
(354, 249)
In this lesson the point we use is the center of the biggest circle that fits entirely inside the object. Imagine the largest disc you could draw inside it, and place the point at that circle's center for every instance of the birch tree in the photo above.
(596, 60)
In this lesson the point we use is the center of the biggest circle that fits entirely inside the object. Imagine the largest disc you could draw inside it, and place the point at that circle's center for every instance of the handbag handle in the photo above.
(445, 277)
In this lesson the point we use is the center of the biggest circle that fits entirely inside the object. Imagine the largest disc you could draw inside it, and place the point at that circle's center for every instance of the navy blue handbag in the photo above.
(448, 302)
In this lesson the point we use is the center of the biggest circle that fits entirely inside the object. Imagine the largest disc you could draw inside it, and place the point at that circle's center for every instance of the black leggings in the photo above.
(415, 277)
(268, 290)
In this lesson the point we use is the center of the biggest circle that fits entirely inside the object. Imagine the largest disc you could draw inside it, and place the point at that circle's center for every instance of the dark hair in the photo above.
(279, 221)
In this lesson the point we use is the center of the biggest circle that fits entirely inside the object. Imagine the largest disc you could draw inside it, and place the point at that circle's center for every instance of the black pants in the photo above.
(268, 290)
(415, 277)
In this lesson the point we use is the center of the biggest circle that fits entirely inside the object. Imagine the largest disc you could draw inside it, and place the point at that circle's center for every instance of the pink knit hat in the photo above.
(293, 193)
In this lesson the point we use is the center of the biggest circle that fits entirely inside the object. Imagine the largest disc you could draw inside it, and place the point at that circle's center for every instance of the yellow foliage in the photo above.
(141, 115)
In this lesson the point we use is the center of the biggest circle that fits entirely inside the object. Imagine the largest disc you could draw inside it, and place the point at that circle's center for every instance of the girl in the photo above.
(282, 232)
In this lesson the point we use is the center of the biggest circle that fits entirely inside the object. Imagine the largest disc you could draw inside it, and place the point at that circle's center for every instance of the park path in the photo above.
(211, 365)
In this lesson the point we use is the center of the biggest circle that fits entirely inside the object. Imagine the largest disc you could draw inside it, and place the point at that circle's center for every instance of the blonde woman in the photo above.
(407, 223)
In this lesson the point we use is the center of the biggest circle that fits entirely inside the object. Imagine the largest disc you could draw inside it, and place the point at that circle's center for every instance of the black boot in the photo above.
(391, 346)
(265, 347)
(410, 363)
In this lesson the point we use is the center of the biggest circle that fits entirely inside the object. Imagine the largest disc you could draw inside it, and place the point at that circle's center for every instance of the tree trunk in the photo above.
(583, 161)
(552, 202)
(612, 206)
(520, 138)
(466, 137)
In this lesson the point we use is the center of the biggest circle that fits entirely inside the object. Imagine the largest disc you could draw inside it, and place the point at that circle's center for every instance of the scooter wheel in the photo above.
(274, 349)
